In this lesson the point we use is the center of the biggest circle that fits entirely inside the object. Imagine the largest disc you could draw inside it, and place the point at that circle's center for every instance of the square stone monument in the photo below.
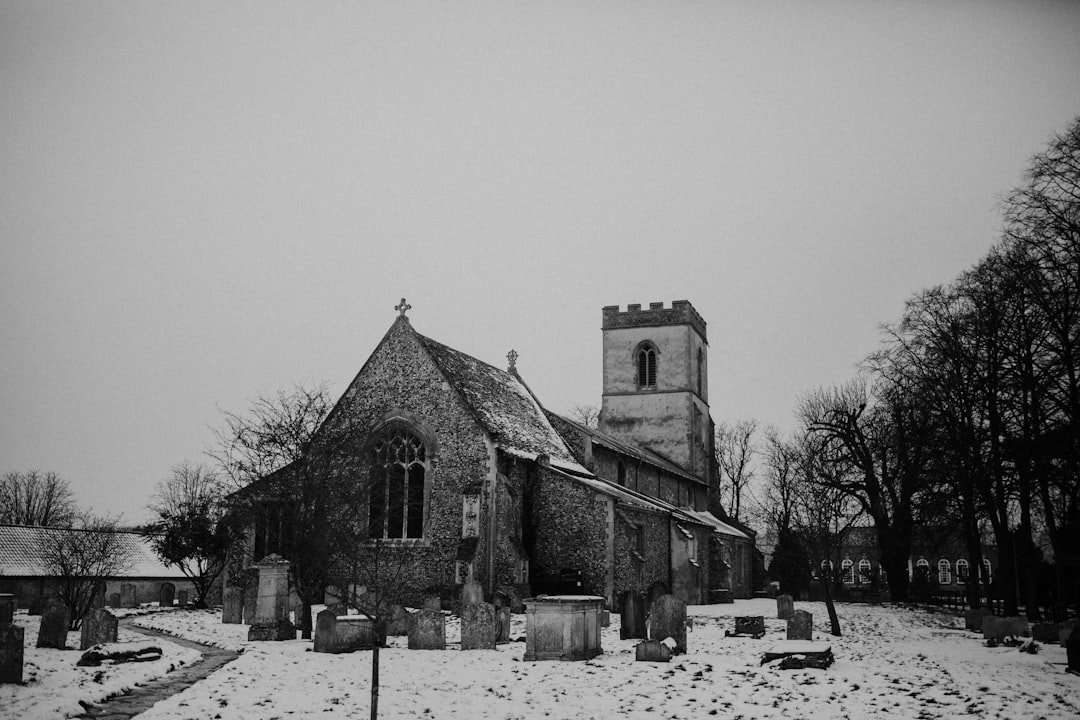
(563, 627)
(272, 606)
(343, 633)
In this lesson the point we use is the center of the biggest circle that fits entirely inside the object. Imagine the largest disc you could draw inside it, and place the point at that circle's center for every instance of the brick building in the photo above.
(467, 476)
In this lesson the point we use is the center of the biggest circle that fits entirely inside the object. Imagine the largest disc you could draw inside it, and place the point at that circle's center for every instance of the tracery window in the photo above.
(847, 572)
(963, 570)
(944, 572)
(646, 365)
(396, 497)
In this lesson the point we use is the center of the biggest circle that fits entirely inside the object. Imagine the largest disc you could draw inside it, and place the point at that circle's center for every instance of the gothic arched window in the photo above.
(864, 571)
(646, 365)
(399, 466)
(944, 572)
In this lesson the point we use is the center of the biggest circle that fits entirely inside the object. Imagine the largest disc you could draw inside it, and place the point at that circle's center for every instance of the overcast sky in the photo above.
(201, 203)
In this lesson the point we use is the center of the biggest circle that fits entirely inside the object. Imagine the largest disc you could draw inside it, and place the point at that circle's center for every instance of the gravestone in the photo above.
(472, 592)
(343, 633)
(1046, 632)
(399, 621)
(478, 626)
(652, 651)
(232, 606)
(166, 595)
(114, 600)
(973, 619)
(632, 617)
(428, 631)
(127, 596)
(432, 602)
(99, 626)
(752, 625)
(182, 598)
(272, 602)
(54, 627)
(998, 628)
(656, 590)
(800, 626)
(605, 618)
(11, 653)
(7, 609)
(785, 606)
(249, 599)
(97, 600)
(1072, 651)
(562, 627)
(668, 620)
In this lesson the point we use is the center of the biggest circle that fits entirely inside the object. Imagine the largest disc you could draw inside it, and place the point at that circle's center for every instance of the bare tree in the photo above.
(192, 530)
(81, 558)
(36, 498)
(587, 415)
(735, 450)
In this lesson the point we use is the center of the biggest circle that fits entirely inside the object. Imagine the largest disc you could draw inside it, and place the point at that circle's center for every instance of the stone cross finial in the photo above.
(512, 357)
(402, 308)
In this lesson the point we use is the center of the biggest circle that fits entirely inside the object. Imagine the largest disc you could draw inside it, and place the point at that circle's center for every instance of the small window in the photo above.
(922, 570)
(847, 572)
(864, 571)
(944, 572)
(987, 574)
(646, 366)
(963, 571)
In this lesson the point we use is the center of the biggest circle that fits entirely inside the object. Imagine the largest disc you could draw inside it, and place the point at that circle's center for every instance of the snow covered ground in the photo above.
(891, 662)
(53, 685)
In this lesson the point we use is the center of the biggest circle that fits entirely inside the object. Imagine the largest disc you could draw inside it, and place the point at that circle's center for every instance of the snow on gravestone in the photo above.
(800, 626)
(668, 620)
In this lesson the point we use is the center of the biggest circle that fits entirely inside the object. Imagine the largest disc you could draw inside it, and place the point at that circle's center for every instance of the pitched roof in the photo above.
(22, 553)
(502, 405)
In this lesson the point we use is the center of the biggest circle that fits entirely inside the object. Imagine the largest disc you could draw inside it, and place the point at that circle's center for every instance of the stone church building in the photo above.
(468, 476)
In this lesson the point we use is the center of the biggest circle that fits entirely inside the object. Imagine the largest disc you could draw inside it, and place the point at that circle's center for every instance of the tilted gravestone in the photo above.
(428, 631)
(632, 617)
(182, 598)
(7, 608)
(166, 594)
(973, 619)
(128, 598)
(668, 620)
(800, 626)
(232, 606)
(99, 626)
(54, 627)
(785, 606)
(272, 607)
(11, 653)
(478, 626)
(753, 625)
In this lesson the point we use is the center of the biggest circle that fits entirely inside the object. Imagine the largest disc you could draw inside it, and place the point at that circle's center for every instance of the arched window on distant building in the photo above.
(987, 573)
(922, 570)
(646, 365)
(962, 571)
(944, 572)
(826, 568)
(847, 571)
(864, 571)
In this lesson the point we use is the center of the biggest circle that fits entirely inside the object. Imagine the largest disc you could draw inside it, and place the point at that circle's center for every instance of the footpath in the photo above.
(140, 698)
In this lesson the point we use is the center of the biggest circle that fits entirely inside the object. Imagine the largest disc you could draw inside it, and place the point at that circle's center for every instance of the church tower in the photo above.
(656, 392)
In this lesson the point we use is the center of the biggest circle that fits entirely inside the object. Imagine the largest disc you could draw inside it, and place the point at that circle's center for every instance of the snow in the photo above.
(891, 662)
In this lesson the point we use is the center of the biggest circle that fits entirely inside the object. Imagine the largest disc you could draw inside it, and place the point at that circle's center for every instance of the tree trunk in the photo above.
(830, 606)
(375, 680)
(894, 558)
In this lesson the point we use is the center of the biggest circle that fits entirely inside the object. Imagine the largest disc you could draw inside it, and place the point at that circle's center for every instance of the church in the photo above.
(468, 477)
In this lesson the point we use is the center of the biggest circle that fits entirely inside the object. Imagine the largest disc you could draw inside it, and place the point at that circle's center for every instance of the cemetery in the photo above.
(565, 656)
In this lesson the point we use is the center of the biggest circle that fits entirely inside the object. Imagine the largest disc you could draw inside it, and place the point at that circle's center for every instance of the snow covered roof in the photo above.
(22, 553)
(719, 525)
(503, 405)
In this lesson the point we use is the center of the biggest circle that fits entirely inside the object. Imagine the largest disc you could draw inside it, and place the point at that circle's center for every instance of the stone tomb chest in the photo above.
(563, 627)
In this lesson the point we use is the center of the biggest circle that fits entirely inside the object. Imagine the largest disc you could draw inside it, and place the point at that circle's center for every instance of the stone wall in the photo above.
(631, 573)
(573, 522)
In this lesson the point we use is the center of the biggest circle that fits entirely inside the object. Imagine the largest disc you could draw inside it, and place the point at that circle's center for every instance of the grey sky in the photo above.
(203, 202)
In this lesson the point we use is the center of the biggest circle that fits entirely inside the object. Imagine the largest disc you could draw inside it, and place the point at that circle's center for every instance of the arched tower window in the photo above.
(399, 466)
(646, 365)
